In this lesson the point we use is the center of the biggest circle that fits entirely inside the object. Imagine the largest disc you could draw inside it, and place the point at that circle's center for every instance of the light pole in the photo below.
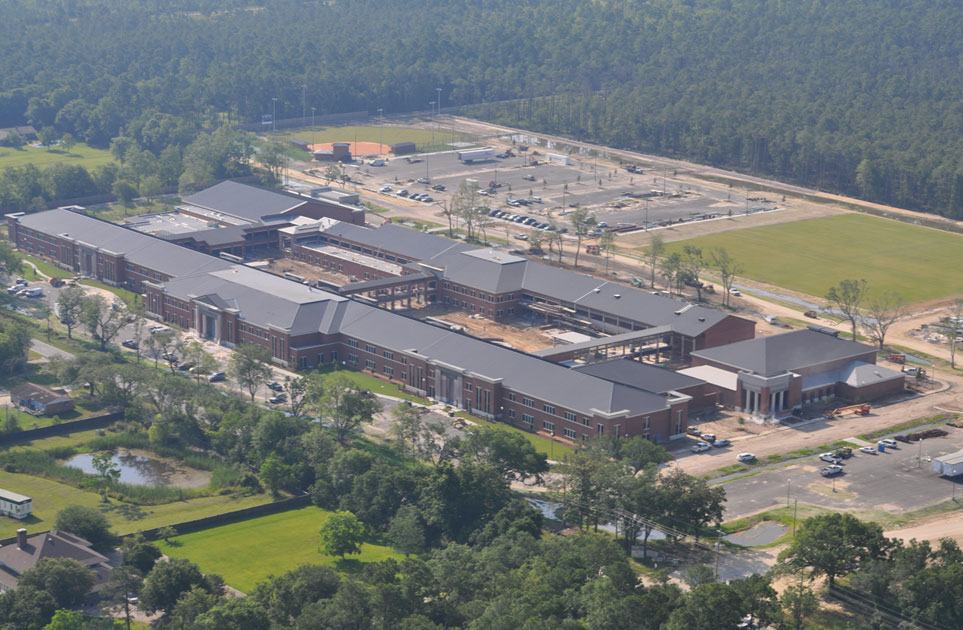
(432, 103)
(715, 547)
(274, 114)
(381, 128)
(919, 455)
(438, 100)
(312, 128)
(303, 88)
(788, 488)
(552, 456)
(795, 507)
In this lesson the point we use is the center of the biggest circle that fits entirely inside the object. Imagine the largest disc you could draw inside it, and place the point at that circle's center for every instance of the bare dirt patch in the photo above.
(943, 526)
(519, 333)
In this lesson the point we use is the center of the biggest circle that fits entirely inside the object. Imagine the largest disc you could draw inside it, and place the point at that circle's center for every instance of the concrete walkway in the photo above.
(48, 351)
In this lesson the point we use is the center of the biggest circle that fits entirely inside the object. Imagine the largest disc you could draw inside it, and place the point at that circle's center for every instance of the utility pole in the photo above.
(312, 128)
(788, 487)
(381, 128)
(438, 100)
(274, 114)
(432, 103)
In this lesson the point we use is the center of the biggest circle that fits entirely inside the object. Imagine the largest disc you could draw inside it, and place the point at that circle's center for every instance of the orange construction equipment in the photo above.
(861, 409)
(897, 357)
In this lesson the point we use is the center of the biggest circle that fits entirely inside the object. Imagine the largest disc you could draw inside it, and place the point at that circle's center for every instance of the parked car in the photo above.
(843, 452)
(869, 450)
(129, 343)
(156, 330)
(439, 187)
(829, 471)
(275, 386)
(829, 457)
(696, 431)
(535, 199)
(736, 293)
(708, 437)
(888, 443)
(426, 199)
(217, 377)
(529, 177)
(721, 443)
(521, 237)
(276, 400)
(402, 193)
(699, 447)
(745, 457)
(186, 366)
(423, 180)
(22, 281)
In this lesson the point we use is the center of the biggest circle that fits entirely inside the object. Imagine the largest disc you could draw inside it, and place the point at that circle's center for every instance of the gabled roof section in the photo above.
(246, 202)
(484, 269)
(262, 299)
(138, 248)
(785, 352)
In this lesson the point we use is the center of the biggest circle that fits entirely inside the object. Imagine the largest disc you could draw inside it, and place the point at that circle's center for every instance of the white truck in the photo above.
(476, 155)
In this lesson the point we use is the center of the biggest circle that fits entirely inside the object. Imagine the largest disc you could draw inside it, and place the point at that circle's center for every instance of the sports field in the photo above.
(813, 255)
(42, 158)
(369, 133)
(245, 553)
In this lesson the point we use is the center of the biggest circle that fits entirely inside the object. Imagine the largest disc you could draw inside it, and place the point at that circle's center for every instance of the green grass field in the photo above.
(49, 497)
(80, 153)
(247, 552)
(811, 256)
(369, 133)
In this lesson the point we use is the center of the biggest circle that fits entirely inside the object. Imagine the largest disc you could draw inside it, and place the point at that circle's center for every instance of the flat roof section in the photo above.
(636, 374)
(714, 376)
(348, 255)
(167, 223)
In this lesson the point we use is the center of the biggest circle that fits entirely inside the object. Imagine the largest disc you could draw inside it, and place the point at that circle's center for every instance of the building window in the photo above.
(389, 355)
(370, 348)
(352, 343)
(352, 359)
(648, 424)
(511, 414)
(388, 370)
(468, 386)
(370, 365)
(549, 409)
(571, 417)
(528, 402)
(586, 422)
(549, 425)
(570, 434)
(601, 428)
(528, 419)
(511, 396)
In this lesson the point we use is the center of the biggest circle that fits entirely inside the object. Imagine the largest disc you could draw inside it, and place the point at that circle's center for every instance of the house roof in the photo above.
(22, 130)
(639, 375)
(138, 248)
(14, 497)
(39, 393)
(768, 356)
(854, 374)
(14, 560)
(246, 202)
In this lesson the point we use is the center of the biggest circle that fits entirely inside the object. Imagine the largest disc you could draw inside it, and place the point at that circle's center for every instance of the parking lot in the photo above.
(894, 481)
(614, 195)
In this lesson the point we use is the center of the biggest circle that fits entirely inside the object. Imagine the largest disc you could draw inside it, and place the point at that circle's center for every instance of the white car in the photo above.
(888, 443)
(699, 447)
(869, 450)
(736, 293)
(385, 189)
(745, 457)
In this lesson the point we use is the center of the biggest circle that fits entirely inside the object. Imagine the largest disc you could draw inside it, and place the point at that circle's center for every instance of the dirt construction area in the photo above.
(519, 333)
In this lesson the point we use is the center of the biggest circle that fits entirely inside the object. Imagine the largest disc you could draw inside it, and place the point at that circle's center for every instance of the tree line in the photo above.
(766, 88)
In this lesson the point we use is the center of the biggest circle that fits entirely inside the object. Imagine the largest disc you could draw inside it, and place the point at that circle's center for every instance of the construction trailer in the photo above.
(949, 465)
(476, 155)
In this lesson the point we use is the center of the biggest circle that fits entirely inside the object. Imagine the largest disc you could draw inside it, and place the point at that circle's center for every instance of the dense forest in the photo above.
(860, 97)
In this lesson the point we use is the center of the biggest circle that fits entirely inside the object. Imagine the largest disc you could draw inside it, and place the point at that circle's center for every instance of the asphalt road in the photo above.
(894, 481)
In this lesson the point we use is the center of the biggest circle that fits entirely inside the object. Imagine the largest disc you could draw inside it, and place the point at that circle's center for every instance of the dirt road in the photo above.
(943, 526)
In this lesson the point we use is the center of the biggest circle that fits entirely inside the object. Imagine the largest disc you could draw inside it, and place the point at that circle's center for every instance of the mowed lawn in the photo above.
(80, 153)
(247, 552)
(813, 255)
(49, 497)
(368, 133)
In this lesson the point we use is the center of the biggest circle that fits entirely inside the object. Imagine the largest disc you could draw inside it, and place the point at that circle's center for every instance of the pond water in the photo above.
(134, 469)
(549, 508)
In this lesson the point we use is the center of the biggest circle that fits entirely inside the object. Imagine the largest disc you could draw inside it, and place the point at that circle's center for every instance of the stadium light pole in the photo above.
(274, 114)
(381, 128)
(304, 87)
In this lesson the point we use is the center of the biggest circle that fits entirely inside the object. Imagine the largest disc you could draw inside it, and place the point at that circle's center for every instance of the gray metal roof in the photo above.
(655, 331)
(784, 352)
(411, 244)
(263, 299)
(522, 373)
(639, 375)
(247, 202)
(140, 249)
(484, 269)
